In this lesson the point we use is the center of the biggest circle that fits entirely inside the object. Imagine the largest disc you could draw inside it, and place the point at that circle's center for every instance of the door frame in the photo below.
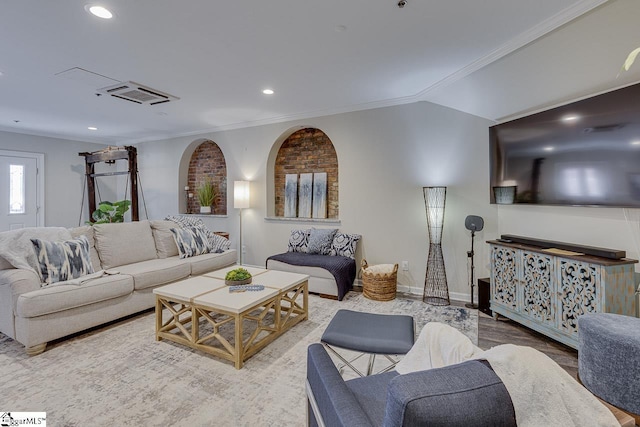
(39, 180)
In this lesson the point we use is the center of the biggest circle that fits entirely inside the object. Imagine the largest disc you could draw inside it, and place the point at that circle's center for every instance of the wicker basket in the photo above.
(379, 286)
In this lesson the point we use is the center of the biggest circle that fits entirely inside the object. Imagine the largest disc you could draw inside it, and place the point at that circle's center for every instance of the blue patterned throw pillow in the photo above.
(61, 261)
(190, 241)
(345, 245)
(320, 240)
(298, 241)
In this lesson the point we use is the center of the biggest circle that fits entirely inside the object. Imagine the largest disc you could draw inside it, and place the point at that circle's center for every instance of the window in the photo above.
(16, 189)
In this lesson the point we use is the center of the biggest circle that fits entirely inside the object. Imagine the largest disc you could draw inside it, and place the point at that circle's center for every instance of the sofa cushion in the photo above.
(4, 264)
(60, 261)
(272, 264)
(208, 262)
(156, 272)
(17, 249)
(124, 243)
(165, 243)
(87, 231)
(53, 299)
(465, 394)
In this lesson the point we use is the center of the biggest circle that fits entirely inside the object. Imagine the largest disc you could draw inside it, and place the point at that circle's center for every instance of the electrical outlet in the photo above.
(244, 249)
(405, 265)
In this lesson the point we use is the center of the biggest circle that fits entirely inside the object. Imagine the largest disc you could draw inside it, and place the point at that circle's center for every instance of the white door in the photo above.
(18, 192)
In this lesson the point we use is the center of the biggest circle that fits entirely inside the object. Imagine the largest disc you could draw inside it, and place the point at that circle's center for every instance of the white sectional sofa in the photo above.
(138, 256)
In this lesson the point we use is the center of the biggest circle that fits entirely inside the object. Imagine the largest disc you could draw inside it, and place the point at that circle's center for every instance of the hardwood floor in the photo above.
(504, 331)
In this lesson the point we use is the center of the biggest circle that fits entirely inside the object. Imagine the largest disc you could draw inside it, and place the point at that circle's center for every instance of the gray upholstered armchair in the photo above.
(465, 394)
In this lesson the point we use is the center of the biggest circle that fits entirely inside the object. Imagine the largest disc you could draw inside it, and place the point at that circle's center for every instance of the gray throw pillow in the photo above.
(61, 261)
(320, 240)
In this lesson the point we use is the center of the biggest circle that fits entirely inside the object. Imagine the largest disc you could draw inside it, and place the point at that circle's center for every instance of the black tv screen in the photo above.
(586, 153)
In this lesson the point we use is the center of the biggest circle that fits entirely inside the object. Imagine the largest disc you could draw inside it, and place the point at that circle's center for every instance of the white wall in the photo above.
(64, 174)
(614, 228)
(385, 158)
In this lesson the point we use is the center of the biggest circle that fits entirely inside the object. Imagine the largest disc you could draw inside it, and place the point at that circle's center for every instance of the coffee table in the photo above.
(201, 313)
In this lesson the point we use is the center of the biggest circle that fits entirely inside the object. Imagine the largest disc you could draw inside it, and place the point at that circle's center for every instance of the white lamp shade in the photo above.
(241, 195)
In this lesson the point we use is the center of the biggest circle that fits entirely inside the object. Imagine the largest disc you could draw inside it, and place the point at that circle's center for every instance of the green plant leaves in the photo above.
(207, 193)
(238, 274)
(108, 212)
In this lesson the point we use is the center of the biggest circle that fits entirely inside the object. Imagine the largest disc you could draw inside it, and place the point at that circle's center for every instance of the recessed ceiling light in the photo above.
(268, 92)
(548, 148)
(99, 11)
(570, 118)
(92, 128)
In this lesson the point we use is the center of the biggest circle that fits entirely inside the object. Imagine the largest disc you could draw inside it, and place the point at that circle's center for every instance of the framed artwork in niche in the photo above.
(290, 195)
(305, 194)
(320, 195)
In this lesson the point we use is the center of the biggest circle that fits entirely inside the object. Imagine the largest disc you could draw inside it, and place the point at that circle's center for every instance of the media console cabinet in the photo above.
(547, 289)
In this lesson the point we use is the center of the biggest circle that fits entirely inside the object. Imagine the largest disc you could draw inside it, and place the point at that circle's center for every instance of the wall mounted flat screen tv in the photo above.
(586, 153)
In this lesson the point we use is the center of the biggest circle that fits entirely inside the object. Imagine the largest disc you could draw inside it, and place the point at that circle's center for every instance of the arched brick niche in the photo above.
(306, 150)
(207, 162)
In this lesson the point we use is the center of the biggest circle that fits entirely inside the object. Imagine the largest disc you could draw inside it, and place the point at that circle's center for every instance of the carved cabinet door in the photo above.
(504, 276)
(538, 287)
(578, 293)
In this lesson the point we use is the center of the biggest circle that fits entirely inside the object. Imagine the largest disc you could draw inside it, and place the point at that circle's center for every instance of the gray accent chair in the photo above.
(466, 394)
(608, 356)
(370, 333)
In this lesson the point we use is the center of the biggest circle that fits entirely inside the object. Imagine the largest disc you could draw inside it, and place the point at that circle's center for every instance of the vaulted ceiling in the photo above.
(491, 58)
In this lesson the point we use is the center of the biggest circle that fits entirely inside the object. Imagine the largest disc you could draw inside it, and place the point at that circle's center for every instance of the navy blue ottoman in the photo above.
(609, 358)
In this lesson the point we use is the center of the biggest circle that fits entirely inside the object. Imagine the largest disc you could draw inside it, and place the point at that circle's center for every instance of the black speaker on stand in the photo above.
(472, 223)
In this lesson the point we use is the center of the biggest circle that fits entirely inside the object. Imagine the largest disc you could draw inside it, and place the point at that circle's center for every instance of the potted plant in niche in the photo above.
(206, 195)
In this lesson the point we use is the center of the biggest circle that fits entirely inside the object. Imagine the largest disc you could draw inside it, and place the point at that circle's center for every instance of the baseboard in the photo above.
(455, 296)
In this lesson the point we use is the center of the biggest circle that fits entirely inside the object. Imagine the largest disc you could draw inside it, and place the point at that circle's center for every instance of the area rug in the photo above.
(119, 374)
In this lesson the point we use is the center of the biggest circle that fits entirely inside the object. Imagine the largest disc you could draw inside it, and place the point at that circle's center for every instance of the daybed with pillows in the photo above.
(326, 255)
(56, 281)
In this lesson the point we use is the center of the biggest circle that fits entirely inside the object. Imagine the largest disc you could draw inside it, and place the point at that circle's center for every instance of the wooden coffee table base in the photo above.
(200, 327)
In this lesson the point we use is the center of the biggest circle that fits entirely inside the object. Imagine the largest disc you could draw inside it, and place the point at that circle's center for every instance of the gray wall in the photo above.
(64, 174)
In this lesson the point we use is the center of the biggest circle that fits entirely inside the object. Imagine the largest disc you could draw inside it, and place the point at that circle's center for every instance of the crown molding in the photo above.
(518, 42)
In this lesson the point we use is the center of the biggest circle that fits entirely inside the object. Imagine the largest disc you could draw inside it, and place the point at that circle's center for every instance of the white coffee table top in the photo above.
(279, 279)
(221, 274)
(210, 290)
(190, 288)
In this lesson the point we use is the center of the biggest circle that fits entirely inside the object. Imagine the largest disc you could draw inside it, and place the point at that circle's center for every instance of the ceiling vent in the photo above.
(135, 92)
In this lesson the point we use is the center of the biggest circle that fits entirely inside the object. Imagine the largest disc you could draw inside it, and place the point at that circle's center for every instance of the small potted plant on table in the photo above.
(239, 276)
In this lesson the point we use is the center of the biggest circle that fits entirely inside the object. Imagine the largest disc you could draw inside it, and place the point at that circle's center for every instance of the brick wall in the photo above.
(207, 162)
(307, 150)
